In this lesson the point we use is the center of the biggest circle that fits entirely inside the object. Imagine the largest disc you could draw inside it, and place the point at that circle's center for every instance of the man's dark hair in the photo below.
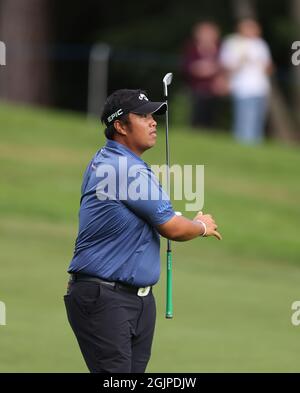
(115, 101)
(110, 130)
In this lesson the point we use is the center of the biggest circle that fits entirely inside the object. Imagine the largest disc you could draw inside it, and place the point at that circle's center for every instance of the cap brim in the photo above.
(150, 107)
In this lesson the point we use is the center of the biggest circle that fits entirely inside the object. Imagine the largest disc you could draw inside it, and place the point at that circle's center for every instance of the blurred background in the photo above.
(233, 298)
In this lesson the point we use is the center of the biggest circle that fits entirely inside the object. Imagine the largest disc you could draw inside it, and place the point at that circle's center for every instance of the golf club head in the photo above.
(167, 81)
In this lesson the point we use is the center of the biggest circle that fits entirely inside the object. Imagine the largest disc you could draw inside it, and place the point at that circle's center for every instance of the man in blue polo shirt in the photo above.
(123, 212)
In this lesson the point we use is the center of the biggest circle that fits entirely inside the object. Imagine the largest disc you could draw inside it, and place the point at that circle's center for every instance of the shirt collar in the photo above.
(122, 148)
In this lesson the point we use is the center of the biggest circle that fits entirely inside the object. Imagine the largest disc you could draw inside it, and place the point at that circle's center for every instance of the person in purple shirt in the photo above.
(123, 211)
(203, 74)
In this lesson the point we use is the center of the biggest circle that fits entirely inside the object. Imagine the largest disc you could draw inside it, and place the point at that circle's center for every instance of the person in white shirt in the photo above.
(247, 59)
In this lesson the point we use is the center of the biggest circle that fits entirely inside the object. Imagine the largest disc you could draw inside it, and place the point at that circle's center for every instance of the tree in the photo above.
(295, 14)
(24, 28)
(243, 8)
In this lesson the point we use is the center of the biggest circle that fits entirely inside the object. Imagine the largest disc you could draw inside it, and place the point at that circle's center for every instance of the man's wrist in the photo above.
(204, 227)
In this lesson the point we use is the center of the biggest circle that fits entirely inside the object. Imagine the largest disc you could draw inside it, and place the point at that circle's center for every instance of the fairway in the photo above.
(232, 299)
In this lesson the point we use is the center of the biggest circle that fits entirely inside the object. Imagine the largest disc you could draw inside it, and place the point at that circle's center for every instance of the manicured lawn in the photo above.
(232, 299)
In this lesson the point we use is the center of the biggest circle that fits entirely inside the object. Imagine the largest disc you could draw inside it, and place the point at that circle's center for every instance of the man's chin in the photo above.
(151, 144)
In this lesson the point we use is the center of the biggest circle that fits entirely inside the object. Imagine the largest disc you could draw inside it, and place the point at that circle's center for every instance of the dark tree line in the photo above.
(48, 43)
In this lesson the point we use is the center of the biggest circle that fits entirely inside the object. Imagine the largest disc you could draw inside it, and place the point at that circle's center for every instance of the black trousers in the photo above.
(114, 328)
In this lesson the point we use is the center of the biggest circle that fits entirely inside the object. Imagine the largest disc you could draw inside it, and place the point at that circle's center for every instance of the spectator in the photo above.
(246, 57)
(202, 73)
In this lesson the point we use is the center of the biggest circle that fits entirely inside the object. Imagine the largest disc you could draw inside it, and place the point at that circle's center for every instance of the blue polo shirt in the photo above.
(121, 204)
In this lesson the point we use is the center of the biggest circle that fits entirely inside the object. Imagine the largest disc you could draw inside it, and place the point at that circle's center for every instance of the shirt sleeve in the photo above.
(146, 198)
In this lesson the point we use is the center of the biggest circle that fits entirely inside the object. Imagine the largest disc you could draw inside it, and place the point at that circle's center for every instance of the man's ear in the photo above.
(120, 127)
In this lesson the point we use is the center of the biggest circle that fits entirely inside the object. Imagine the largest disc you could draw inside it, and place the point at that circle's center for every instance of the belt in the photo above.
(114, 284)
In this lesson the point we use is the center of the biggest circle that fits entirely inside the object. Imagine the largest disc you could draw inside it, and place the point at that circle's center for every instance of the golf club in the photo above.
(169, 303)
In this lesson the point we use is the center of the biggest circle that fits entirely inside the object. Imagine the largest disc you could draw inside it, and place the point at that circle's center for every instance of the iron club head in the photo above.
(167, 81)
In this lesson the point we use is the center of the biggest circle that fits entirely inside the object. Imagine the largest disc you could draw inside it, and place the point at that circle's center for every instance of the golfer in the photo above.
(116, 262)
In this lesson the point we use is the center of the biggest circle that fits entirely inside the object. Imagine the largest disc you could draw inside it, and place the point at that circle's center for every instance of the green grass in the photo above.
(232, 299)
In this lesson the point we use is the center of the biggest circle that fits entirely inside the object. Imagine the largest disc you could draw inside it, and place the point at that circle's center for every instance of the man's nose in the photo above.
(153, 121)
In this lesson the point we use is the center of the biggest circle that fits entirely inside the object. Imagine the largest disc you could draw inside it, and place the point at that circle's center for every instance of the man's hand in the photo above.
(181, 229)
(209, 225)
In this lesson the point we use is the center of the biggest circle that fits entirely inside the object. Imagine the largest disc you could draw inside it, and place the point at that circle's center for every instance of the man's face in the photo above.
(140, 132)
(249, 28)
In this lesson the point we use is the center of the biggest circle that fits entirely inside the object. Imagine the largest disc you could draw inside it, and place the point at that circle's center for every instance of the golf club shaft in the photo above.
(169, 300)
